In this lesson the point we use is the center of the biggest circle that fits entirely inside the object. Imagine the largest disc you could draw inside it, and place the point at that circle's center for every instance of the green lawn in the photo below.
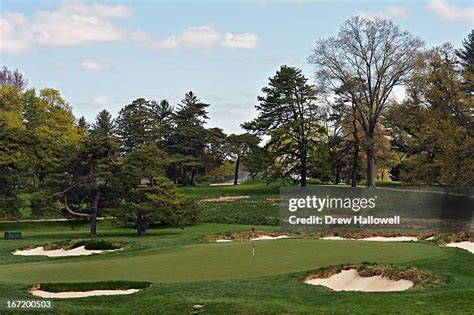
(181, 266)
(184, 269)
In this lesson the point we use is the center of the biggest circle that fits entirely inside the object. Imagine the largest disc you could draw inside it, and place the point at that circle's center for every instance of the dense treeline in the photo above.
(346, 127)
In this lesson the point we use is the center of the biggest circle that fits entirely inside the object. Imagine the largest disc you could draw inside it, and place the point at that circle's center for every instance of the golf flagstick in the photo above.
(253, 244)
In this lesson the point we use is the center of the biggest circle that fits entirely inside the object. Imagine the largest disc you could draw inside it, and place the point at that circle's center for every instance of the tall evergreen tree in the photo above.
(188, 140)
(466, 57)
(92, 181)
(135, 124)
(287, 113)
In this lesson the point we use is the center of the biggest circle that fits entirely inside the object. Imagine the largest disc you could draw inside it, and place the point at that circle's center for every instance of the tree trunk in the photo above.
(141, 225)
(370, 161)
(355, 158)
(338, 175)
(95, 213)
(193, 172)
(236, 172)
(304, 169)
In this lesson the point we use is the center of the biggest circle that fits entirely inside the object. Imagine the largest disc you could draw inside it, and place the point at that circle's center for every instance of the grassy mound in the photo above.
(421, 278)
(445, 238)
(91, 286)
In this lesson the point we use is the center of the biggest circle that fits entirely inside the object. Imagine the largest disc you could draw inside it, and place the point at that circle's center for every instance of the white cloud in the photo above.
(100, 10)
(200, 37)
(244, 40)
(102, 100)
(451, 12)
(72, 23)
(13, 35)
(75, 23)
(91, 64)
(390, 12)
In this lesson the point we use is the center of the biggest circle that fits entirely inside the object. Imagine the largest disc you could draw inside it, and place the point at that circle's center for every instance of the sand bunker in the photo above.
(80, 294)
(223, 241)
(226, 198)
(469, 246)
(268, 237)
(336, 238)
(350, 280)
(78, 251)
(374, 239)
(390, 239)
(224, 184)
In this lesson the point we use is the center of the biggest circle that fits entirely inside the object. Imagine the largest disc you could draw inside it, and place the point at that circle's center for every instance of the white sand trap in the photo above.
(78, 251)
(223, 241)
(268, 237)
(430, 238)
(469, 246)
(390, 239)
(350, 280)
(224, 184)
(226, 198)
(374, 239)
(80, 294)
(336, 238)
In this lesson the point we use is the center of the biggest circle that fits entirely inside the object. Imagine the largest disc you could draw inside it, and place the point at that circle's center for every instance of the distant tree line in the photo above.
(346, 127)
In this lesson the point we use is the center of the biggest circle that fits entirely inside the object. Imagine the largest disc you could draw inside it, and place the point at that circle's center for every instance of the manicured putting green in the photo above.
(216, 261)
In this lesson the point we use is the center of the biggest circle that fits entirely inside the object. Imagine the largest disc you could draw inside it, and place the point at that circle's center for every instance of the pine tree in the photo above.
(287, 113)
(135, 124)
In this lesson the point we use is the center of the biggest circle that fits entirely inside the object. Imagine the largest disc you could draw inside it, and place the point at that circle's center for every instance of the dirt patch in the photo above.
(467, 245)
(80, 294)
(225, 199)
(78, 251)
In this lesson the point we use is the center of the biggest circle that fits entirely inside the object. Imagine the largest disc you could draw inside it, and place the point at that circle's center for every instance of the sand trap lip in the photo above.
(225, 198)
(223, 241)
(78, 251)
(80, 294)
(268, 237)
(467, 245)
(374, 239)
(350, 280)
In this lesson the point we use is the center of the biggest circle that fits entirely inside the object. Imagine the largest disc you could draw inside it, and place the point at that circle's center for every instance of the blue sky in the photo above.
(105, 54)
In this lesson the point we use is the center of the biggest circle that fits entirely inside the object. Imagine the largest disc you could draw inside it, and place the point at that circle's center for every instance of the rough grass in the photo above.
(421, 278)
(445, 238)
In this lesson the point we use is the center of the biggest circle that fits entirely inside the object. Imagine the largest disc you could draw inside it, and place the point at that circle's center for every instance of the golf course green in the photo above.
(215, 261)
(185, 269)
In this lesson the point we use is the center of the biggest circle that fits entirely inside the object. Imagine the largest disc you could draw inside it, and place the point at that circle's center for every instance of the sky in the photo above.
(105, 54)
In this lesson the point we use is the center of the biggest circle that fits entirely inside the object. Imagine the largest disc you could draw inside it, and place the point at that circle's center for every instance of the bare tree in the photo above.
(368, 58)
(12, 78)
